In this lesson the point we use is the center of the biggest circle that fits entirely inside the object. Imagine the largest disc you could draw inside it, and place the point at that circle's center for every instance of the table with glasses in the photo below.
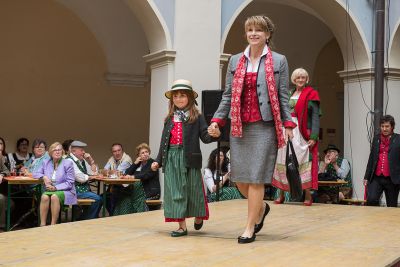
(21, 180)
(106, 180)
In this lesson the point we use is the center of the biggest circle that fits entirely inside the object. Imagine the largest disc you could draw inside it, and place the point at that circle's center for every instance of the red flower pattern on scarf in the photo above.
(237, 87)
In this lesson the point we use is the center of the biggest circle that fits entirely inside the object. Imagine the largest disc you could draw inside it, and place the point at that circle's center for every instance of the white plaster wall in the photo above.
(356, 144)
(160, 78)
(197, 42)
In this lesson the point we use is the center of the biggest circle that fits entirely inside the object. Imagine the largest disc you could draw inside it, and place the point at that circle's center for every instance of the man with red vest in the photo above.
(383, 169)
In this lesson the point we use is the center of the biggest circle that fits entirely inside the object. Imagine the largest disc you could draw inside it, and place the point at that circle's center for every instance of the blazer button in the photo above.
(259, 93)
(258, 85)
(261, 104)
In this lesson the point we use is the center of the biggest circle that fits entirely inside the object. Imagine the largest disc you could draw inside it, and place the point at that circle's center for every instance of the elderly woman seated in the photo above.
(227, 191)
(59, 178)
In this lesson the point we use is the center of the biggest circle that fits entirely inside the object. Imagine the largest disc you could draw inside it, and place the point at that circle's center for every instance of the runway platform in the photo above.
(293, 235)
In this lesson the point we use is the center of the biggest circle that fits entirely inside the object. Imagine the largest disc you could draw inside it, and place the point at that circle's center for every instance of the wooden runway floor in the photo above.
(293, 235)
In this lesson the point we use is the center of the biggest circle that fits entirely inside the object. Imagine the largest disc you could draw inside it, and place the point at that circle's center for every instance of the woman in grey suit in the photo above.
(256, 99)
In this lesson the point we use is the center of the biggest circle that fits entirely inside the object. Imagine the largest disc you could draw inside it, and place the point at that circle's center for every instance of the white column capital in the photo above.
(368, 74)
(224, 58)
(392, 74)
(350, 76)
(160, 58)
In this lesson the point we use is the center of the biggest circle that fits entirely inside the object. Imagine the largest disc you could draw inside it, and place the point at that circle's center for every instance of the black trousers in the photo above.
(377, 186)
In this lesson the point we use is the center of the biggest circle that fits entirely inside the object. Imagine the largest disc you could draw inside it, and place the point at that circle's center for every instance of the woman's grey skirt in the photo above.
(253, 155)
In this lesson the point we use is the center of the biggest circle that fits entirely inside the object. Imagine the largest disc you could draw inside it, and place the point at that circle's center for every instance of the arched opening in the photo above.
(74, 70)
(313, 42)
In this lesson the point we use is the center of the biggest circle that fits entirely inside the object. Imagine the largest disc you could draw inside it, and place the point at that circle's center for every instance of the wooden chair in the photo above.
(80, 204)
(351, 201)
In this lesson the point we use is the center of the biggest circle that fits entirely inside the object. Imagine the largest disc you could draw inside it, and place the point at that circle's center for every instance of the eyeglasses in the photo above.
(40, 147)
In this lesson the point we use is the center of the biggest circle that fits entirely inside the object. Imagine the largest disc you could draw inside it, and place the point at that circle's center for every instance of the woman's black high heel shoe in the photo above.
(245, 240)
(258, 227)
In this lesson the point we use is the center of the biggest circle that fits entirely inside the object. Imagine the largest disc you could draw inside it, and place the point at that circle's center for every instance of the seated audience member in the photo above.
(141, 169)
(134, 199)
(39, 155)
(67, 147)
(333, 168)
(3, 191)
(226, 191)
(22, 193)
(84, 168)
(18, 159)
(58, 177)
(3, 153)
(119, 161)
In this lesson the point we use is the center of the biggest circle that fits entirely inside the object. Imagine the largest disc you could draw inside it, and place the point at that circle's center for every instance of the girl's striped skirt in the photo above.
(184, 194)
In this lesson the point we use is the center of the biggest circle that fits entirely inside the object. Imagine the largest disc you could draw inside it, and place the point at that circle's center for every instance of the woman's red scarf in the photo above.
(301, 109)
(237, 87)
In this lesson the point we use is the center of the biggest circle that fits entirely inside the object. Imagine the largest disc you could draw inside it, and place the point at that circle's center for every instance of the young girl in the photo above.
(180, 158)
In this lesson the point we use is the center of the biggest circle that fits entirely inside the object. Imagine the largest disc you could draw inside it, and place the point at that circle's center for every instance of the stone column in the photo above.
(197, 42)
(162, 74)
(358, 102)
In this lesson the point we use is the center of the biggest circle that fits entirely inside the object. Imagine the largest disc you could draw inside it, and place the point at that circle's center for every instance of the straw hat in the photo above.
(181, 84)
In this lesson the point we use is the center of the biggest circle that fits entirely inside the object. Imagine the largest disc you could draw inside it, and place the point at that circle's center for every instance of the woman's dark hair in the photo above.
(387, 118)
(19, 141)
(66, 144)
(4, 153)
(212, 165)
(38, 142)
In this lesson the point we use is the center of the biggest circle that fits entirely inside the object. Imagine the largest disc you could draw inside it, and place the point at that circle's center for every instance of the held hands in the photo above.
(288, 134)
(213, 130)
(331, 157)
(50, 188)
(155, 166)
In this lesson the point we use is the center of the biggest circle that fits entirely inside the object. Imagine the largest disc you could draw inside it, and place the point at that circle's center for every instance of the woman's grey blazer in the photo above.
(281, 74)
